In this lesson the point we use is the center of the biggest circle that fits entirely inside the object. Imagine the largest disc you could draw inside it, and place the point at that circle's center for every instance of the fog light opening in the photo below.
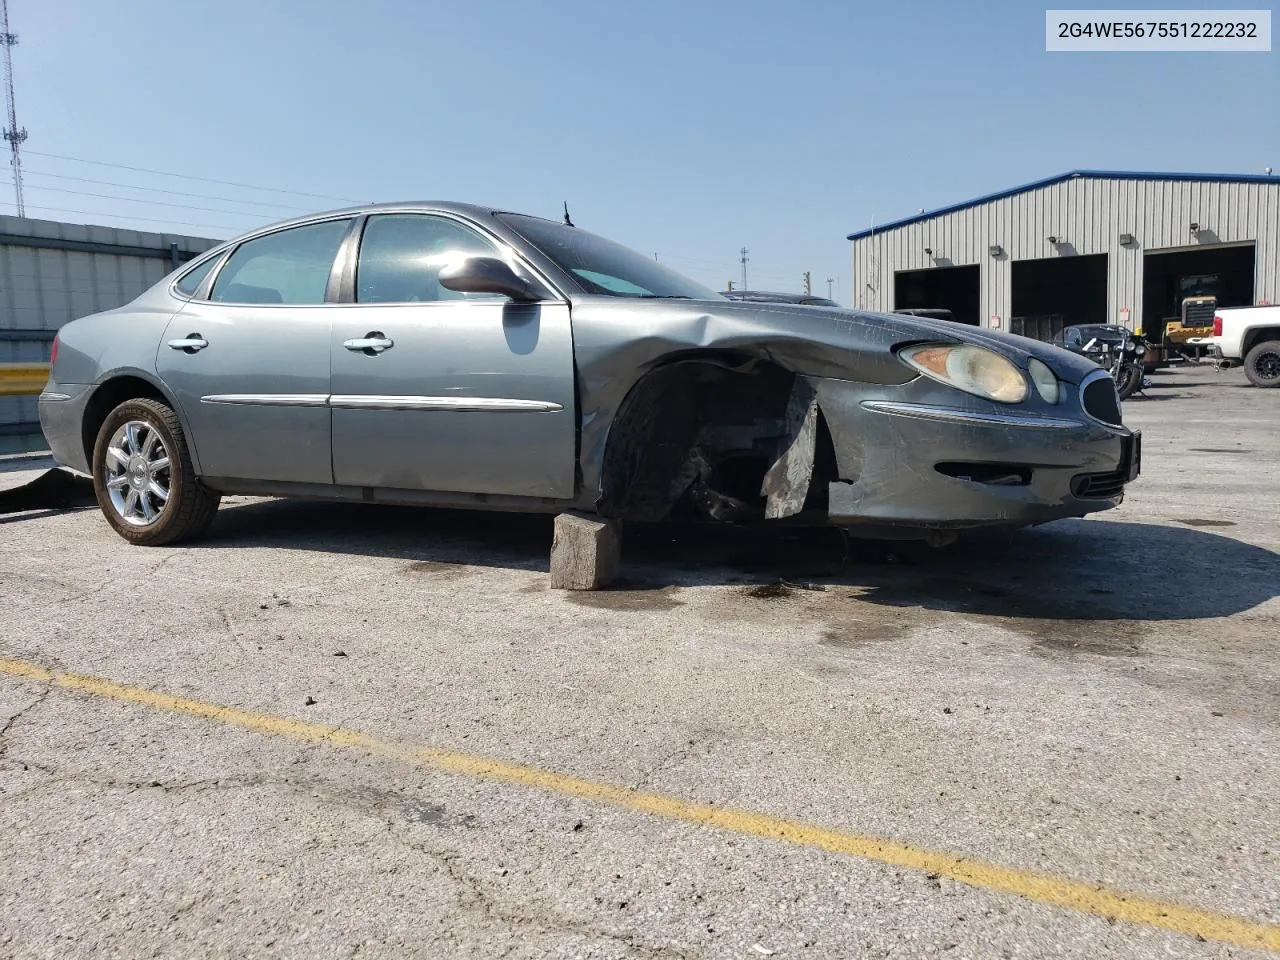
(988, 474)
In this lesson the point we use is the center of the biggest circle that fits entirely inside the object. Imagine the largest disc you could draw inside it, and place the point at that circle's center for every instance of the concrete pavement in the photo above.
(1094, 700)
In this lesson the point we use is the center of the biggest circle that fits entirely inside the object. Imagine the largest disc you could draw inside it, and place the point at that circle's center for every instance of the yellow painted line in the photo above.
(22, 379)
(1091, 898)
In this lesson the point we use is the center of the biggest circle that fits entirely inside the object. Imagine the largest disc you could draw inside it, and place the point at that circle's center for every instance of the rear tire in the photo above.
(143, 477)
(1262, 364)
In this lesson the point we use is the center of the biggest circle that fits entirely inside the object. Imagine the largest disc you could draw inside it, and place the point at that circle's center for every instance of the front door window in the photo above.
(401, 256)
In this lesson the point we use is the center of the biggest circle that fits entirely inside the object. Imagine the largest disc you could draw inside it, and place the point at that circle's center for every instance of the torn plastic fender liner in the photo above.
(786, 483)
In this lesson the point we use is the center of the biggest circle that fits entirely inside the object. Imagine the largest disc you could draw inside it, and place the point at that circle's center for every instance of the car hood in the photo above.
(901, 328)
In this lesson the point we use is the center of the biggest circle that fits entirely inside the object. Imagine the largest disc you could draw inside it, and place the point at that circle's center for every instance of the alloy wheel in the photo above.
(1268, 366)
(138, 476)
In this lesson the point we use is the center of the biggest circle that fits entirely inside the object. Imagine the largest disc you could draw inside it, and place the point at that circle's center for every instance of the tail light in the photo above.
(1217, 326)
(53, 351)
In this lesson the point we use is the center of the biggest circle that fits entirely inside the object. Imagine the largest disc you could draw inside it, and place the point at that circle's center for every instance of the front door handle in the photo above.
(371, 344)
(190, 343)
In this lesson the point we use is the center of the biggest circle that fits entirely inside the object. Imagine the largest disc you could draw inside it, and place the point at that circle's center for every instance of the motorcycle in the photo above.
(1123, 359)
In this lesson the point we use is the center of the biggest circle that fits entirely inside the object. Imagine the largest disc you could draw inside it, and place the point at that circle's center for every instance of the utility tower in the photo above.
(11, 132)
(808, 284)
(744, 267)
(830, 281)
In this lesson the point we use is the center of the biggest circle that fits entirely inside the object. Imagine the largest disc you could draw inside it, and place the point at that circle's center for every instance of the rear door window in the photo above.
(287, 267)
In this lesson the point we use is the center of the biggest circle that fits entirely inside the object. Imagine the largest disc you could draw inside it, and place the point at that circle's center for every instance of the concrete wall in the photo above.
(1090, 213)
(53, 272)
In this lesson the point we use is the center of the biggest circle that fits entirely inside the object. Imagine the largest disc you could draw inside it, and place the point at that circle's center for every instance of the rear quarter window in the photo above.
(190, 281)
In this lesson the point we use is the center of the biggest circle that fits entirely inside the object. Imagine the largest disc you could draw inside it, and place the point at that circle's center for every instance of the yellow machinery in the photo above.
(1196, 297)
(1194, 320)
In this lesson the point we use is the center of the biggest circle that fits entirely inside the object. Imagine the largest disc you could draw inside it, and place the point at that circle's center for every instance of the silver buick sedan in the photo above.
(445, 354)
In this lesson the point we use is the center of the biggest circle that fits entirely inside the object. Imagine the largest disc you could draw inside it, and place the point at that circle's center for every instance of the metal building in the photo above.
(1087, 246)
(52, 272)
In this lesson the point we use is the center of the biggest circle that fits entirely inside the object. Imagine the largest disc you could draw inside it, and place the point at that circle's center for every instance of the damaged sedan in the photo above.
(453, 355)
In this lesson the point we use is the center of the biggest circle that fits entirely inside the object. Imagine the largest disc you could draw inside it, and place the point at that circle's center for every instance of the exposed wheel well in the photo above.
(1254, 337)
(697, 435)
(106, 398)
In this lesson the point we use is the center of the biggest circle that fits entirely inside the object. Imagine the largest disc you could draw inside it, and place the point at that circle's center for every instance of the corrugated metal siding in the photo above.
(41, 289)
(1090, 213)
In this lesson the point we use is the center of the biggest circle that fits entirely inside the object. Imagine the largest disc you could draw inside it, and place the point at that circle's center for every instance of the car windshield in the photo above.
(603, 267)
(1102, 332)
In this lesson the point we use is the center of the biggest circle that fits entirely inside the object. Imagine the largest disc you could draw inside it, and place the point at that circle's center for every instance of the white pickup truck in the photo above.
(1247, 335)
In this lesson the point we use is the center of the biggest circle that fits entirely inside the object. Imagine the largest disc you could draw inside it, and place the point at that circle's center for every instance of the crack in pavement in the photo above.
(666, 762)
(369, 801)
(169, 556)
(226, 622)
(61, 776)
(474, 896)
(9, 724)
(186, 908)
(383, 806)
(78, 590)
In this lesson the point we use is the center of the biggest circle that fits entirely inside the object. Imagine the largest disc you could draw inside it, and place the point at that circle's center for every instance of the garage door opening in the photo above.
(1168, 278)
(1058, 292)
(943, 288)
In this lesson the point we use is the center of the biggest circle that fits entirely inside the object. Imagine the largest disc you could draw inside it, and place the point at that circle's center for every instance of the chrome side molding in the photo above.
(449, 404)
(394, 402)
(270, 399)
(928, 411)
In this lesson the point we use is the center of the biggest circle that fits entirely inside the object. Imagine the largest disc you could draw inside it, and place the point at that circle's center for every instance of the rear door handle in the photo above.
(190, 343)
(371, 343)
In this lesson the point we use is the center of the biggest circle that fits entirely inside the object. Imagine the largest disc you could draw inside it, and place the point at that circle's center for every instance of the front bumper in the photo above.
(911, 457)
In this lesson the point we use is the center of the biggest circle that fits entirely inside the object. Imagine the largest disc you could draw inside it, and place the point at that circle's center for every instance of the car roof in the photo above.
(472, 210)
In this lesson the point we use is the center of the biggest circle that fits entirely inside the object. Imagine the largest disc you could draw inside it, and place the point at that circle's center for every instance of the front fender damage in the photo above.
(619, 348)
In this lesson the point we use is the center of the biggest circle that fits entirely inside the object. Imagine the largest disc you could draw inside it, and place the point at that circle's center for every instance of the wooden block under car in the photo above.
(586, 552)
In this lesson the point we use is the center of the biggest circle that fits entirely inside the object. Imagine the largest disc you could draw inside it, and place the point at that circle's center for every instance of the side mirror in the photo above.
(488, 275)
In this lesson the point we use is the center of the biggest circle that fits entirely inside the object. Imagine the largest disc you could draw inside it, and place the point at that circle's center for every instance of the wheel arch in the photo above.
(659, 419)
(1256, 336)
(114, 389)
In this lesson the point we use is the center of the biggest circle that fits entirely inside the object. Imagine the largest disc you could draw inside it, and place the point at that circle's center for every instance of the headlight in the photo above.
(1046, 383)
(1131, 346)
(969, 368)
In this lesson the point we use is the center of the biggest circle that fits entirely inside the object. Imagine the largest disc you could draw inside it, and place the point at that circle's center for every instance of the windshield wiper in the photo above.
(663, 296)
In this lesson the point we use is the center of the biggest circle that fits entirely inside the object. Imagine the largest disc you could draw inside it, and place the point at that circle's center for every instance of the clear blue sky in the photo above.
(683, 128)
